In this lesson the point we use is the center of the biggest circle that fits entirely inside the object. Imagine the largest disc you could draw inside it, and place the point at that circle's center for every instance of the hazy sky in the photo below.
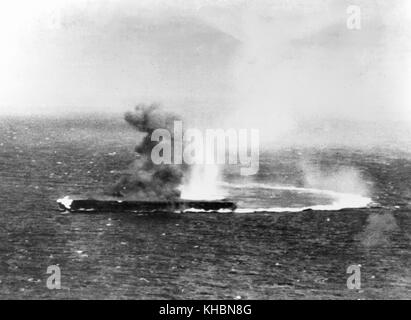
(262, 62)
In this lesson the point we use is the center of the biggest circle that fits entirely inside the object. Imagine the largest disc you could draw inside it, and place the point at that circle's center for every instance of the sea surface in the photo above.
(273, 247)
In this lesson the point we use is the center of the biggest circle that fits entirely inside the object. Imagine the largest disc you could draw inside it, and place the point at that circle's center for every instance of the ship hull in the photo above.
(92, 205)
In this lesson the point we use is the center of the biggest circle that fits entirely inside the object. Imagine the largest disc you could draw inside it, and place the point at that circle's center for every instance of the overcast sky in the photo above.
(253, 60)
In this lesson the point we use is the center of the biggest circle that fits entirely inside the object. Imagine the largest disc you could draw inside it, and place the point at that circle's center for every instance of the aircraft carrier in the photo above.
(144, 206)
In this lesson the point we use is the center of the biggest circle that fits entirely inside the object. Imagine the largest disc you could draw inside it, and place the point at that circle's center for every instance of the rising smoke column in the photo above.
(145, 180)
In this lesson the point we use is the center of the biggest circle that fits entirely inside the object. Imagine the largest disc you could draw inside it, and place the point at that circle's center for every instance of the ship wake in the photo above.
(340, 200)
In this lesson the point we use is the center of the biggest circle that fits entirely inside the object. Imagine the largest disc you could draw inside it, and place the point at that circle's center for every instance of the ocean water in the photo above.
(258, 252)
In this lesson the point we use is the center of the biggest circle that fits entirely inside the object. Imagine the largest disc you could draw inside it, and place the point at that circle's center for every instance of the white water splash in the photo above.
(203, 184)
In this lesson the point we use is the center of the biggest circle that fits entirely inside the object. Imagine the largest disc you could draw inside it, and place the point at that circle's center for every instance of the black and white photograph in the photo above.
(205, 150)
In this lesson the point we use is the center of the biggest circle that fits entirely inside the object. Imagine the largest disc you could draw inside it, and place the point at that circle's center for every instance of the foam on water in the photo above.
(341, 200)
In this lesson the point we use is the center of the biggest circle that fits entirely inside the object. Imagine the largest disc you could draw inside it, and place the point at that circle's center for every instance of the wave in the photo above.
(341, 200)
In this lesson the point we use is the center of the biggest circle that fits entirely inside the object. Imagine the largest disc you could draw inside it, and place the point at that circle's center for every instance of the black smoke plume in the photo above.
(145, 180)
